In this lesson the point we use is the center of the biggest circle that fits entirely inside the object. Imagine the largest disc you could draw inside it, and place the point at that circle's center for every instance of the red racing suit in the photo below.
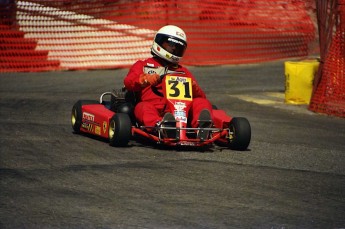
(151, 107)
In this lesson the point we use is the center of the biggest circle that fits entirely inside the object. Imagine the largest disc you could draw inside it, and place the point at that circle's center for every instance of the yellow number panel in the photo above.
(178, 87)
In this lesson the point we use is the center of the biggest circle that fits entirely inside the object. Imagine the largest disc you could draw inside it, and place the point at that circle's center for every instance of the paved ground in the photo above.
(292, 176)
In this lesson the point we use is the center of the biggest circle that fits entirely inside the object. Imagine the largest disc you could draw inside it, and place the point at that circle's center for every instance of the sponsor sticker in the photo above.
(180, 116)
(88, 117)
(179, 34)
(105, 126)
(98, 130)
(175, 41)
(180, 106)
(175, 58)
(87, 126)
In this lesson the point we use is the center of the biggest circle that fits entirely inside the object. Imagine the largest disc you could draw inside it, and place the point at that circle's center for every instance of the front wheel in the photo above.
(240, 133)
(120, 130)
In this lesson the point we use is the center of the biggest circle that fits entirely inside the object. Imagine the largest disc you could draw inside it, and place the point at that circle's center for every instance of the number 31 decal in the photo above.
(178, 87)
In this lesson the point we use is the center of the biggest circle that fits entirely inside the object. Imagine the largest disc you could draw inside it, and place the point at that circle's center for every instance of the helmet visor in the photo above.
(171, 44)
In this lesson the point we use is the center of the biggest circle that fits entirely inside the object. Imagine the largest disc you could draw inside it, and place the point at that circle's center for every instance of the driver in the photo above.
(167, 50)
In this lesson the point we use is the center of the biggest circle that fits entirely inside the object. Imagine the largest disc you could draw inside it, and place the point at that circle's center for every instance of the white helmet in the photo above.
(170, 43)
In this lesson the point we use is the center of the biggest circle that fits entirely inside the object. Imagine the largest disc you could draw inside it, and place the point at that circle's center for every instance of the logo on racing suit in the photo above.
(151, 69)
(151, 72)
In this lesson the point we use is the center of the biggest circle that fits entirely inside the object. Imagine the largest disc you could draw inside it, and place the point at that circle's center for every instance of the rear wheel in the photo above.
(240, 133)
(120, 130)
(76, 117)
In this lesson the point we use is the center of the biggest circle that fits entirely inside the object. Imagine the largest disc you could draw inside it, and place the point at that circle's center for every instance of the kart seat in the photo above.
(123, 101)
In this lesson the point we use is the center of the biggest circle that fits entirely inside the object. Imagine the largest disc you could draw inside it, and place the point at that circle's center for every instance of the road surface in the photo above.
(292, 175)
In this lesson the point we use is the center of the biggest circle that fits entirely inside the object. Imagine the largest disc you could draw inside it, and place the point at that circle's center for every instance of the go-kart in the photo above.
(113, 119)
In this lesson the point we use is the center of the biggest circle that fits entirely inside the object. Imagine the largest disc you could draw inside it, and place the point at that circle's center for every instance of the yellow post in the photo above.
(299, 78)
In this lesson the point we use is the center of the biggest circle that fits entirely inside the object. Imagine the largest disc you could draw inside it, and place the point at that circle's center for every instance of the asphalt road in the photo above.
(292, 175)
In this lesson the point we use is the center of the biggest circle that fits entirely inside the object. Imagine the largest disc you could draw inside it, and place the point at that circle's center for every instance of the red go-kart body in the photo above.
(114, 120)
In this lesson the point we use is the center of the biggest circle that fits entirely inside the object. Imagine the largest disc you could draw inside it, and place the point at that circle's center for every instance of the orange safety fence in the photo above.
(329, 85)
(46, 35)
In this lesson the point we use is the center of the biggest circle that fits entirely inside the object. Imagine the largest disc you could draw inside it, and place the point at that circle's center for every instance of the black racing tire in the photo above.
(120, 130)
(76, 116)
(240, 133)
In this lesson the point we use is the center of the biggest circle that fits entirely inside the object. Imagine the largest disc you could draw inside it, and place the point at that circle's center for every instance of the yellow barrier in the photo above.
(299, 78)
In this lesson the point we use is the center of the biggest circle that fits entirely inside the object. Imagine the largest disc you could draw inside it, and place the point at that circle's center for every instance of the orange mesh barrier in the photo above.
(329, 93)
(107, 34)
